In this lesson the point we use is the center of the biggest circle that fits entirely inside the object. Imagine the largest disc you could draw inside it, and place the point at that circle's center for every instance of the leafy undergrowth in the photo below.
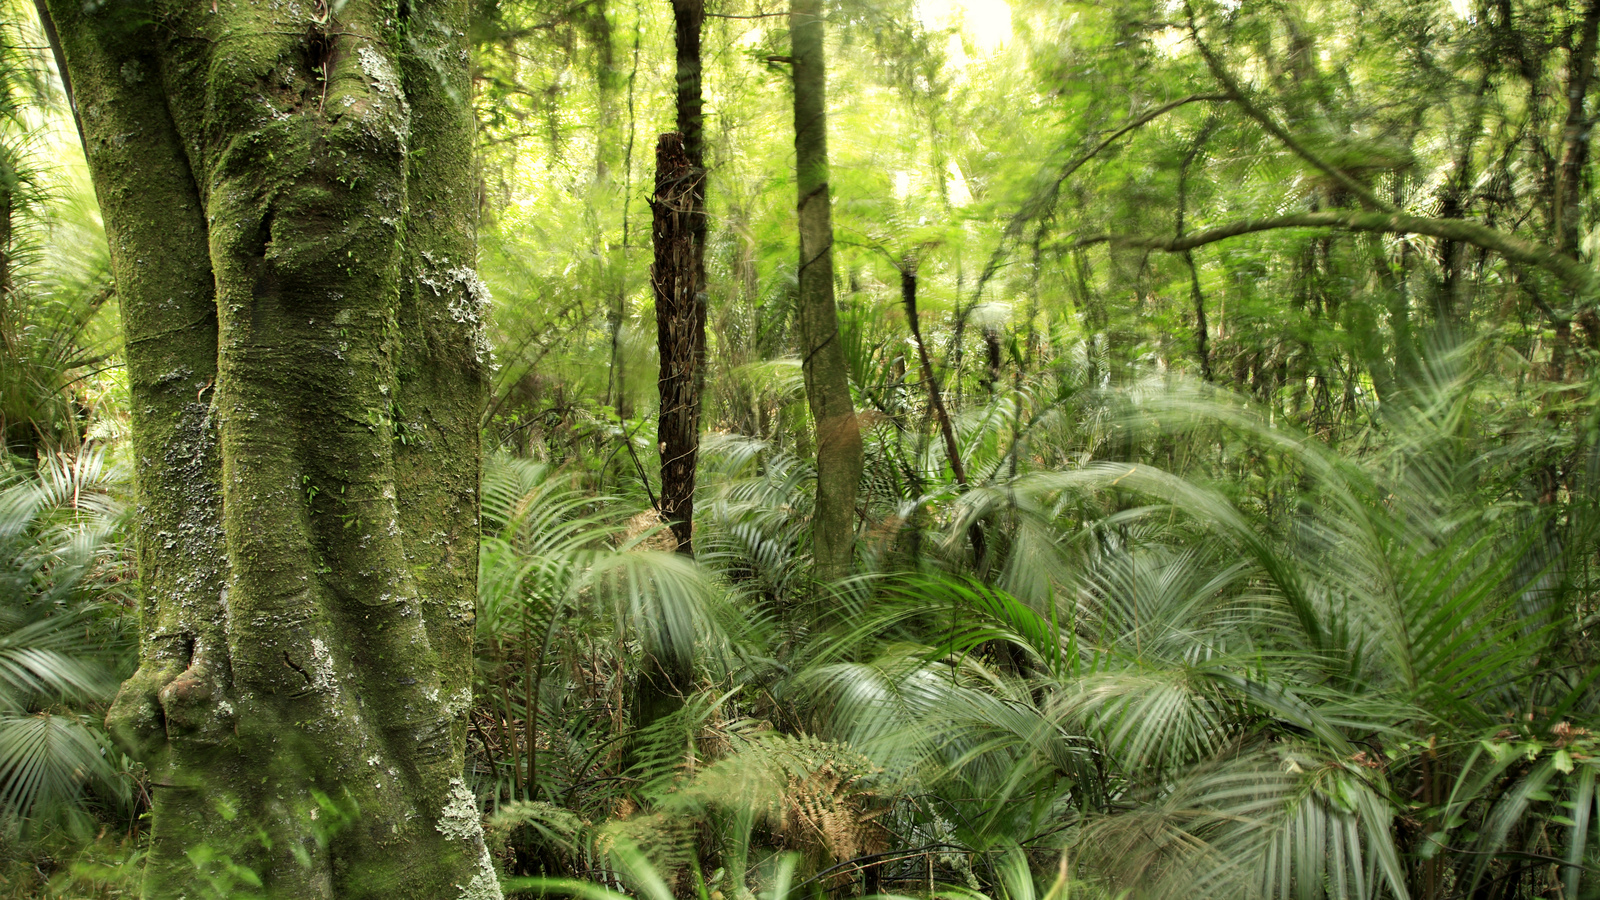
(106, 868)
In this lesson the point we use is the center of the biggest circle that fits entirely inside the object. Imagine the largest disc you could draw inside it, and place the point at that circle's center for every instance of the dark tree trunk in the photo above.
(991, 348)
(680, 333)
(1202, 337)
(908, 297)
(679, 279)
(7, 213)
(952, 448)
(17, 433)
(1575, 132)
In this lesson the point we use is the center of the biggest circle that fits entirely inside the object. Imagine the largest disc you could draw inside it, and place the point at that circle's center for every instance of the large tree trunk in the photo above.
(679, 278)
(822, 362)
(287, 193)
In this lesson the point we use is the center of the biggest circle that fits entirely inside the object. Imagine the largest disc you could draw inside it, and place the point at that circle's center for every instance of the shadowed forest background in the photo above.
(1226, 378)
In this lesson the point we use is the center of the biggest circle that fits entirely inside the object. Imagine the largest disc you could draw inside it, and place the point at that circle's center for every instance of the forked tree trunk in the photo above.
(287, 192)
(823, 363)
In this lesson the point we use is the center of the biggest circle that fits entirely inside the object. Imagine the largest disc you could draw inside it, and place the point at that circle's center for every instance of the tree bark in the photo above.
(1202, 340)
(288, 199)
(679, 279)
(1566, 216)
(908, 297)
(839, 453)
(8, 177)
(17, 433)
(680, 335)
(947, 430)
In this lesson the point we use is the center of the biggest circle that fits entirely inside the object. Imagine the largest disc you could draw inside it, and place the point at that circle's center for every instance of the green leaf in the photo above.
(1563, 762)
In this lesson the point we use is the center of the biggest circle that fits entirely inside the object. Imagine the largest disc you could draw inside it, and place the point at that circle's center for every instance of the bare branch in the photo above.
(1573, 274)
(1237, 94)
(1031, 209)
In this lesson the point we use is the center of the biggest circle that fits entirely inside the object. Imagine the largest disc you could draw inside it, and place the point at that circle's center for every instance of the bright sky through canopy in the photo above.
(987, 22)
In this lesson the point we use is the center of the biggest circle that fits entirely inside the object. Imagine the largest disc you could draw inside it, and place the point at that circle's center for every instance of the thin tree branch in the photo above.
(1573, 274)
(1236, 93)
(1031, 209)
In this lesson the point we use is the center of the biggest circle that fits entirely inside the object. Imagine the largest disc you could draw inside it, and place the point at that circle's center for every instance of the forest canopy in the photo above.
(735, 448)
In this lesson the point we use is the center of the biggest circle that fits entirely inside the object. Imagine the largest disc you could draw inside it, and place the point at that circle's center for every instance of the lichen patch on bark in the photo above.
(458, 821)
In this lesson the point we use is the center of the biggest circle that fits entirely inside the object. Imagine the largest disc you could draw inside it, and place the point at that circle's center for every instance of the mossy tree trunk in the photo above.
(827, 380)
(287, 192)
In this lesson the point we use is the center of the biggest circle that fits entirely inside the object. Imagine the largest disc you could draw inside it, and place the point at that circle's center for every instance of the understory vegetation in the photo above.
(1227, 382)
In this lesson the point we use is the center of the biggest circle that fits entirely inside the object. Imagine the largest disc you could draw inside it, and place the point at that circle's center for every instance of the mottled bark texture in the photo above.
(286, 188)
(822, 363)
(680, 329)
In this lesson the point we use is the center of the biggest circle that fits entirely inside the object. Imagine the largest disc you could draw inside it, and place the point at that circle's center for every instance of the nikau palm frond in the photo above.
(60, 654)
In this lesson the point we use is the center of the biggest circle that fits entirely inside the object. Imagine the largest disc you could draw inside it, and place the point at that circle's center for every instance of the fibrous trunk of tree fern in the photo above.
(679, 280)
(677, 203)
(286, 191)
(680, 330)
(823, 364)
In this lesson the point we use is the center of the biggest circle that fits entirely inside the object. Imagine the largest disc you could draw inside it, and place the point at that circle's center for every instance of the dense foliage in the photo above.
(1226, 374)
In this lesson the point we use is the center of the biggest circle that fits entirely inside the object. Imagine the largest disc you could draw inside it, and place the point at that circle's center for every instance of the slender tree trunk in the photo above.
(617, 380)
(679, 334)
(7, 214)
(287, 192)
(1454, 301)
(952, 448)
(17, 434)
(688, 18)
(1202, 337)
(1567, 214)
(908, 297)
(679, 280)
(11, 432)
(1566, 221)
(827, 380)
(679, 277)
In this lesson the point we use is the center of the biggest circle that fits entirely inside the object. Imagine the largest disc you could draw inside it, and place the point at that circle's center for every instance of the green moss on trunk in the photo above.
(839, 454)
(288, 195)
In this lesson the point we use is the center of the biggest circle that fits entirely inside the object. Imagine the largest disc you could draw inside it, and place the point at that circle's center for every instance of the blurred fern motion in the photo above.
(1227, 381)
